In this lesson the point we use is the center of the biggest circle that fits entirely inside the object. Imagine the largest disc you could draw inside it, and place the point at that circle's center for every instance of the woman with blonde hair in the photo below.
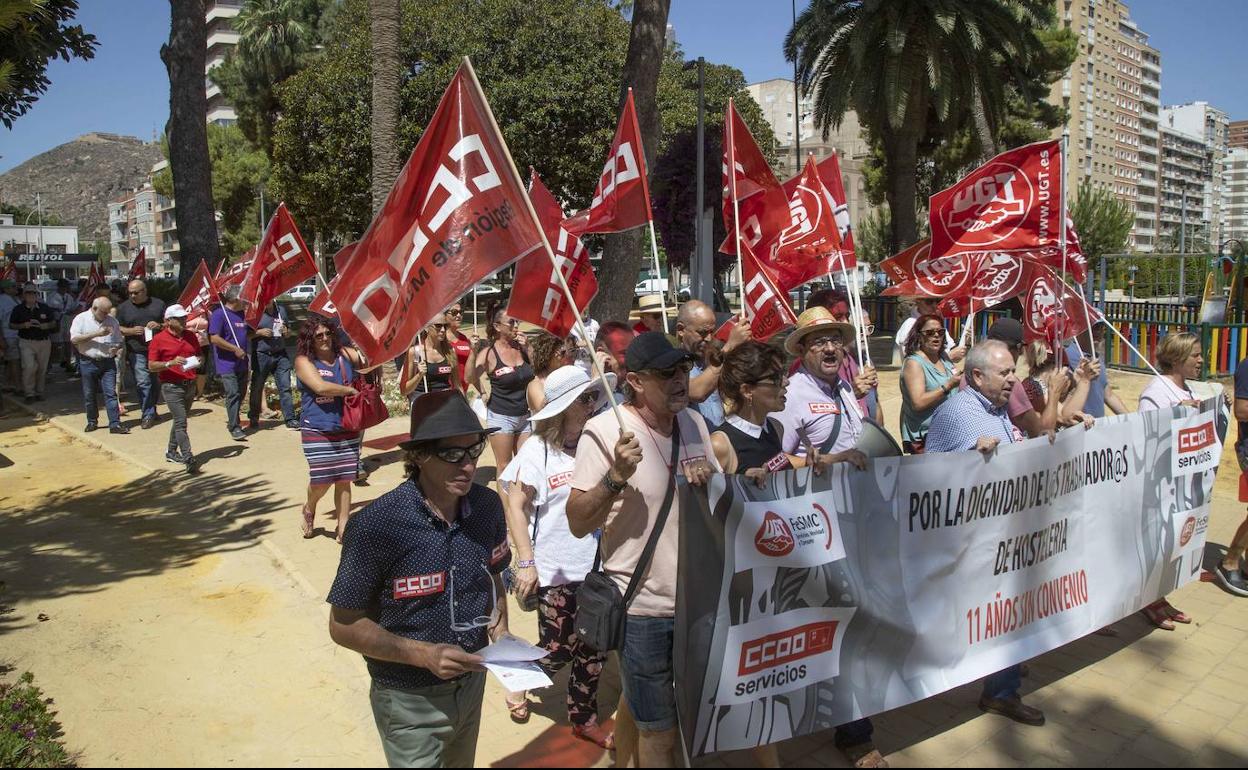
(432, 365)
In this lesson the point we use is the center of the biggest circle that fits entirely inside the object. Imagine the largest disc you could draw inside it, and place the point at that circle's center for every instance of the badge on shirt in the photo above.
(501, 554)
(685, 463)
(444, 370)
(503, 370)
(778, 463)
(824, 407)
(419, 585)
(559, 479)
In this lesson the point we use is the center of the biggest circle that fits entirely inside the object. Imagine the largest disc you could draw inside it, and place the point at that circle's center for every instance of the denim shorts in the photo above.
(507, 424)
(646, 672)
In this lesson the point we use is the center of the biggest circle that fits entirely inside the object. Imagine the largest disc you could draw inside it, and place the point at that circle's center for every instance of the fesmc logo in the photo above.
(776, 535)
(1002, 193)
(1189, 529)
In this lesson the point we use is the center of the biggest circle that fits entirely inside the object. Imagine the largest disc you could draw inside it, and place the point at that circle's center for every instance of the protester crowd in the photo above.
(424, 568)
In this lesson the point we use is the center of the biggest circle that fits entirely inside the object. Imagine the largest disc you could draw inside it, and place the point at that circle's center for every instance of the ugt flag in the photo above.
(457, 213)
(200, 293)
(138, 268)
(622, 198)
(536, 295)
(282, 262)
(1011, 203)
(760, 202)
(810, 247)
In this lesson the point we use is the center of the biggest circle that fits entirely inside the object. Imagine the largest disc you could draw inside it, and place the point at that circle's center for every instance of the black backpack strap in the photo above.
(830, 441)
(643, 564)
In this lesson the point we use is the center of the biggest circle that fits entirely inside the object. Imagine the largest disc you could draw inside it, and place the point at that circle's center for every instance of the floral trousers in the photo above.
(556, 616)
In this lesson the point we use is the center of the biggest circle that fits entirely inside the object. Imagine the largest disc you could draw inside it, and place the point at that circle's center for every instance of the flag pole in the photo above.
(1087, 317)
(563, 284)
(654, 251)
(855, 316)
(736, 208)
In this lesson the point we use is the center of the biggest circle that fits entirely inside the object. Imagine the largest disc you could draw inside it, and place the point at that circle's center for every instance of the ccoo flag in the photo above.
(138, 268)
(456, 214)
(282, 262)
(622, 198)
(200, 293)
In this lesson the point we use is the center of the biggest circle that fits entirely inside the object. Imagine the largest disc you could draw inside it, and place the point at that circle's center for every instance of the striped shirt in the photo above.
(965, 418)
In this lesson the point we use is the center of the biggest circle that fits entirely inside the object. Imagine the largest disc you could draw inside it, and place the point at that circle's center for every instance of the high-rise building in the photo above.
(1199, 119)
(221, 38)
(1237, 133)
(1235, 175)
(775, 97)
(1186, 174)
(1113, 94)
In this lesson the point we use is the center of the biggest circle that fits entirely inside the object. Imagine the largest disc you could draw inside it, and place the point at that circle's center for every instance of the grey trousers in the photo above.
(431, 727)
(178, 398)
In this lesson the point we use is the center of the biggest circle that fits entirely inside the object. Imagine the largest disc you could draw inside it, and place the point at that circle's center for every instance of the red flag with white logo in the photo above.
(343, 257)
(810, 247)
(321, 304)
(138, 268)
(95, 279)
(200, 293)
(1051, 309)
(282, 262)
(235, 274)
(830, 173)
(767, 306)
(747, 179)
(9, 273)
(456, 214)
(622, 198)
(536, 296)
(1011, 203)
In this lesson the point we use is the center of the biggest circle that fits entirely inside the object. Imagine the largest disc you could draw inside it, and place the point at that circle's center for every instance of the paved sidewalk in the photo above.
(1147, 698)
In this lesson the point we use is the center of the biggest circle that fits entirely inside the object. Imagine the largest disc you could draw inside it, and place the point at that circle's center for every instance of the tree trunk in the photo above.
(384, 35)
(901, 149)
(624, 253)
(983, 131)
(187, 129)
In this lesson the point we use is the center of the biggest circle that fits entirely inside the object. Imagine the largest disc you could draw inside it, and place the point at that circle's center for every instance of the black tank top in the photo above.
(762, 452)
(507, 385)
(438, 376)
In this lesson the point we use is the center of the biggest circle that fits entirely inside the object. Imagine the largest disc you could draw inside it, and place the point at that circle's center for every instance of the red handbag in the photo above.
(365, 409)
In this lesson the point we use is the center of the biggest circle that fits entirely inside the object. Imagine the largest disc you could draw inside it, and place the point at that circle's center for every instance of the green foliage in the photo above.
(33, 33)
(29, 733)
(871, 237)
(672, 186)
(239, 172)
(1102, 221)
(164, 288)
(22, 214)
(277, 38)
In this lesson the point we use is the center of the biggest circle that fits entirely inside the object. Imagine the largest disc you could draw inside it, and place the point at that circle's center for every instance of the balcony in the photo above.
(222, 37)
(1146, 232)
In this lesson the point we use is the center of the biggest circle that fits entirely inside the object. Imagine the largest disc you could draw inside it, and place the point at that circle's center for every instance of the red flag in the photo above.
(1011, 203)
(810, 247)
(761, 201)
(917, 273)
(138, 268)
(95, 279)
(457, 213)
(830, 173)
(200, 293)
(767, 306)
(321, 304)
(622, 198)
(1051, 309)
(9, 273)
(344, 256)
(536, 296)
(236, 273)
(282, 262)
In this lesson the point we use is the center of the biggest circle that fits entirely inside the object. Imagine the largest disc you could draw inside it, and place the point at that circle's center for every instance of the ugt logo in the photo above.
(991, 208)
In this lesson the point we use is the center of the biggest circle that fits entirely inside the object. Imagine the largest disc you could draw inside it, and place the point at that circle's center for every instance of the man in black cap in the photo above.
(419, 587)
(620, 485)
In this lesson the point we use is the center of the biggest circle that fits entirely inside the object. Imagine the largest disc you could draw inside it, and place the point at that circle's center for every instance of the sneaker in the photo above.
(293, 425)
(1231, 579)
(238, 435)
(192, 464)
(148, 422)
(175, 458)
(90, 427)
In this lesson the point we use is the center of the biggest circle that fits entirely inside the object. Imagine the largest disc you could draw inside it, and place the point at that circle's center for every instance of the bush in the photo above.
(29, 732)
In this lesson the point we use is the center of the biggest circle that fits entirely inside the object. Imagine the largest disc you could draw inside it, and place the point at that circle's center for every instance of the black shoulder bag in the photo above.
(601, 611)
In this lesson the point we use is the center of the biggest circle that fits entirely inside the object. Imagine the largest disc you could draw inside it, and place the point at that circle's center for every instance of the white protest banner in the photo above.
(817, 600)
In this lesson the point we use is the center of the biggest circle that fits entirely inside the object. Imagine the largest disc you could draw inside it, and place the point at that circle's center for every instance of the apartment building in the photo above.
(1235, 175)
(1199, 119)
(1186, 174)
(143, 218)
(1237, 133)
(776, 98)
(221, 38)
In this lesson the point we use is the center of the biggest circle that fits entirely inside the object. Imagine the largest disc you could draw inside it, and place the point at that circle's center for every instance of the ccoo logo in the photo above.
(774, 537)
(1192, 439)
(990, 209)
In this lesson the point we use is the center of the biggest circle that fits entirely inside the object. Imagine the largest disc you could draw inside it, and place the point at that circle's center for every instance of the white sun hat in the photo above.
(564, 385)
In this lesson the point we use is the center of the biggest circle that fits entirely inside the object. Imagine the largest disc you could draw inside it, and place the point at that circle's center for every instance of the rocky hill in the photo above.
(79, 178)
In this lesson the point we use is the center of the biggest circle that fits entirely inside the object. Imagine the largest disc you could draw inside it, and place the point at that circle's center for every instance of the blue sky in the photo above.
(125, 89)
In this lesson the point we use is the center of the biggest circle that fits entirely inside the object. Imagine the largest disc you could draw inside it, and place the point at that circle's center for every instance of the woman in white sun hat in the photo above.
(551, 561)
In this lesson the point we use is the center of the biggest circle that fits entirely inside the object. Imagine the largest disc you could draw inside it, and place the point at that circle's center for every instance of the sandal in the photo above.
(864, 755)
(519, 711)
(1157, 615)
(1177, 615)
(309, 523)
(593, 732)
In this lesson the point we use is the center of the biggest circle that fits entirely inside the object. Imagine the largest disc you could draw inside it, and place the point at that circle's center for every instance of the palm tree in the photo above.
(911, 69)
(383, 18)
(273, 33)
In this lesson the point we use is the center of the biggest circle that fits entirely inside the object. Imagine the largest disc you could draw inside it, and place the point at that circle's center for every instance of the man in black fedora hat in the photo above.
(419, 588)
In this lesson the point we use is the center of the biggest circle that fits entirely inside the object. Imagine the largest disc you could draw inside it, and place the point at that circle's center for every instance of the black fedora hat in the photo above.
(443, 414)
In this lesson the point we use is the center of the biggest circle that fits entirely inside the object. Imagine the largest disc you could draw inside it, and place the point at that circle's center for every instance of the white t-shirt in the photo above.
(635, 510)
(1162, 392)
(561, 557)
(98, 348)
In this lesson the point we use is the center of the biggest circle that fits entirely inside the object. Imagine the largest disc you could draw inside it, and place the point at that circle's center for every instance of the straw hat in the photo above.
(815, 319)
(650, 303)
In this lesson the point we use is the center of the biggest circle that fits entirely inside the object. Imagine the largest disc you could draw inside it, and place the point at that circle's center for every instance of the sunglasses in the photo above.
(509, 322)
(684, 367)
(478, 622)
(323, 336)
(455, 455)
(772, 381)
(439, 327)
(454, 312)
(936, 333)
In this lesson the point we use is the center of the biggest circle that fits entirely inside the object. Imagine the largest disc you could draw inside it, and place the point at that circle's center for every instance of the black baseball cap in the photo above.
(1006, 330)
(653, 350)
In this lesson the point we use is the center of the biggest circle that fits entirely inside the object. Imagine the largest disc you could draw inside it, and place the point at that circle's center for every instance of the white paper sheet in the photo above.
(192, 362)
(147, 334)
(511, 649)
(517, 676)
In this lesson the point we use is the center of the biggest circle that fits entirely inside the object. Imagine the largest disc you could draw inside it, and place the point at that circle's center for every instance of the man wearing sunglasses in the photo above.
(620, 484)
(418, 590)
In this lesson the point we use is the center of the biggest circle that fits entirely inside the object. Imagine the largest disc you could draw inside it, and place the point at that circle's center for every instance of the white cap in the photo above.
(175, 311)
(564, 385)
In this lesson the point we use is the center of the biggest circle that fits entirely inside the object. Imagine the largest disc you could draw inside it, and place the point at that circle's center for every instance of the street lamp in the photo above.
(1131, 281)
(702, 280)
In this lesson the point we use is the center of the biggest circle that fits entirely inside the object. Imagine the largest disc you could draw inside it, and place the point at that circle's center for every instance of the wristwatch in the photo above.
(612, 487)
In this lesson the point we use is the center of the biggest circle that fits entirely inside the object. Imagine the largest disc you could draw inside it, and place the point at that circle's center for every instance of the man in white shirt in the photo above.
(97, 338)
